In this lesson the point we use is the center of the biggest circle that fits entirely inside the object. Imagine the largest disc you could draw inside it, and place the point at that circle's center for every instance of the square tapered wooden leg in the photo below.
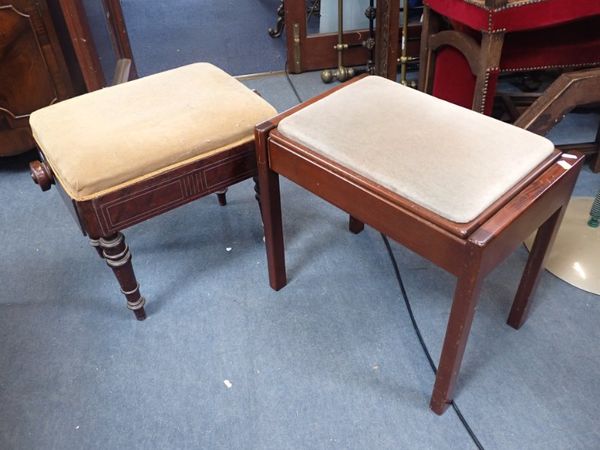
(533, 269)
(271, 212)
(466, 296)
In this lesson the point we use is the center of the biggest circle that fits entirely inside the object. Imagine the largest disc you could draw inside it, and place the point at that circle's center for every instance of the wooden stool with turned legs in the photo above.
(124, 154)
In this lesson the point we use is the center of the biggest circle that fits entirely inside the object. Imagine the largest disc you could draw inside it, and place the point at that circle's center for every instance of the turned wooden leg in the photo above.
(118, 257)
(257, 198)
(489, 65)
(271, 214)
(459, 325)
(96, 244)
(355, 226)
(533, 269)
(257, 193)
(222, 197)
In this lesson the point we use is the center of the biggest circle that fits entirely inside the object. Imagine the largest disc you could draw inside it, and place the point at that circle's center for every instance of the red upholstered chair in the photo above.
(462, 58)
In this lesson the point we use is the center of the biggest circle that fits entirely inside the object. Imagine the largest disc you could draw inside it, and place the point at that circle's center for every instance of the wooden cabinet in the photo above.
(33, 71)
(48, 53)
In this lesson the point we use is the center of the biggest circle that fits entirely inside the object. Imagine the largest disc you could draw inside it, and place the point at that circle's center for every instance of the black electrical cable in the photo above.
(287, 75)
(422, 341)
(462, 419)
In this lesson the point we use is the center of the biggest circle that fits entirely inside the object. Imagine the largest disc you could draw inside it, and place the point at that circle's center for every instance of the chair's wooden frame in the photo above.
(483, 57)
(83, 41)
(103, 218)
(469, 251)
(569, 91)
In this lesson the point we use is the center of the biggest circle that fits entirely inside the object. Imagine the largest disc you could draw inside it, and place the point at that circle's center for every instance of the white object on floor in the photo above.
(575, 255)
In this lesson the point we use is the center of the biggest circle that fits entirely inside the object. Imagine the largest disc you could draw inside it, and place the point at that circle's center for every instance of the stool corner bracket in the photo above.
(264, 128)
(41, 174)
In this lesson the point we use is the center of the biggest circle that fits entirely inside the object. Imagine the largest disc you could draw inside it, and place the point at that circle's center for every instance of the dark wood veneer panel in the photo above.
(223, 172)
(139, 204)
(32, 71)
(133, 204)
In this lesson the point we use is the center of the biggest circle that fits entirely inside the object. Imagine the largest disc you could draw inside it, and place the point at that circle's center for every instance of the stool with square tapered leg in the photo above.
(459, 188)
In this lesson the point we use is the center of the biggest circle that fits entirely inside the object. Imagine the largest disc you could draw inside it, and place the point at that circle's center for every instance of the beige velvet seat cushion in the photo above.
(108, 139)
(448, 159)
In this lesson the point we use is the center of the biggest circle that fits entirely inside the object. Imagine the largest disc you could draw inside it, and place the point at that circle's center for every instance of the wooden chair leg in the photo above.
(464, 304)
(271, 214)
(222, 197)
(96, 244)
(355, 226)
(431, 25)
(257, 193)
(118, 257)
(533, 269)
(489, 62)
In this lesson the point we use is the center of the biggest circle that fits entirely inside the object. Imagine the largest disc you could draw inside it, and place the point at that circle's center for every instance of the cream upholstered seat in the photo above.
(108, 139)
(450, 160)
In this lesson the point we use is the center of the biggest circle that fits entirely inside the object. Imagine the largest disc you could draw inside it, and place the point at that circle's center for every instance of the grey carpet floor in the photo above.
(223, 362)
(229, 33)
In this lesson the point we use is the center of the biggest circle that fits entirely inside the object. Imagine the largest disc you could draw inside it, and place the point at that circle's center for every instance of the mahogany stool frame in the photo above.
(469, 251)
(103, 218)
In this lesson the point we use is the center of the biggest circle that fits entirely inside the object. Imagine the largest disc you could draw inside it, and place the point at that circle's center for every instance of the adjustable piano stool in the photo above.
(459, 188)
(130, 152)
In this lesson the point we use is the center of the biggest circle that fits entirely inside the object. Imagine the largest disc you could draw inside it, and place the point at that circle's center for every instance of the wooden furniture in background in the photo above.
(387, 38)
(468, 250)
(307, 52)
(33, 70)
(570, 90)
(48, 54)
(183, 161)
(83, 42)
(466, 44)
(118, 33)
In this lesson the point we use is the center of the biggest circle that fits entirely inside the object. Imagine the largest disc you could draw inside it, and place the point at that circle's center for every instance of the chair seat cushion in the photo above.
(105, 140)
(448, 159)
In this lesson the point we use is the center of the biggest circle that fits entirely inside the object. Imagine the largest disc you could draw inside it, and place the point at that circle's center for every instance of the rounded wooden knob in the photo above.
(41, 174)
